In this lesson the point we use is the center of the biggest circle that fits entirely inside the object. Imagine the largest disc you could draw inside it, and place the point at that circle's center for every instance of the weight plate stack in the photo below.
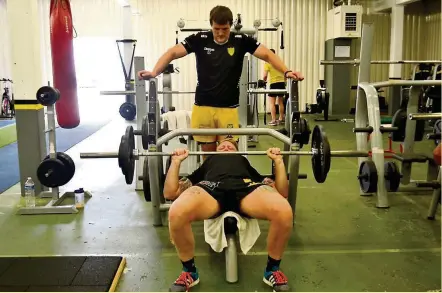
(392, 176)
(69, 166)
(47, 95)
(51, 173)
(368, 177)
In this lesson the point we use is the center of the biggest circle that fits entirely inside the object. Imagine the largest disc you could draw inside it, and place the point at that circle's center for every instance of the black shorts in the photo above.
(229, 193)
(277, 86)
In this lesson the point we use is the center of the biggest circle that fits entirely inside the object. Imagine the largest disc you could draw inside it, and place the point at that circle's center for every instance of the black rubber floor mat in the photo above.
(61, 273)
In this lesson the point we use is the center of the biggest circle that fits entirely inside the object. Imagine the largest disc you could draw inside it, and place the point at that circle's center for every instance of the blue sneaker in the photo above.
(185, 281)
(277, 280)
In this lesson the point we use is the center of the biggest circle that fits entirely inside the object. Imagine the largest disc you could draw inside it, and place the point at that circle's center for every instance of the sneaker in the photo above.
(273, 123)
(277, 280)
(185, 281)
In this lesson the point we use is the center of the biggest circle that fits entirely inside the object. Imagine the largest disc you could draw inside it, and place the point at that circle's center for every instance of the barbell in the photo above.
(320, 154)
(357, 62)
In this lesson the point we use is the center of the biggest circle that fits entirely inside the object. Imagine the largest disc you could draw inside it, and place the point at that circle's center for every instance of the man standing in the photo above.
(219, 58)
(277, 82)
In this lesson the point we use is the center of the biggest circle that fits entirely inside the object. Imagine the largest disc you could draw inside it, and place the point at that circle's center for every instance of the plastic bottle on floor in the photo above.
(79, 198)
(30, 193)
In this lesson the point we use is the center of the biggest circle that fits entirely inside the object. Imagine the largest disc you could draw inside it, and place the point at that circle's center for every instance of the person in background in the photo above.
(277, 81)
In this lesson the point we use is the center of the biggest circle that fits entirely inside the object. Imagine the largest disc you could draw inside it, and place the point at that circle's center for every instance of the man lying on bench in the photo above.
(227, 183)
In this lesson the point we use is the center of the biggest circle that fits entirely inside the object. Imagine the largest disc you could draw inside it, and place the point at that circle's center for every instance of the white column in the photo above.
(24, 38)
(397, 32)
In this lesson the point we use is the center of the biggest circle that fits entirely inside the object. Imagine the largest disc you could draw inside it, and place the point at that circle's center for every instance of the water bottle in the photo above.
(79, 198)
(30, 193)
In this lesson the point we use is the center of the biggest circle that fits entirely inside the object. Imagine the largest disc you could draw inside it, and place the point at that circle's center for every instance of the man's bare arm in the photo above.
(175, 52)
(263, 53)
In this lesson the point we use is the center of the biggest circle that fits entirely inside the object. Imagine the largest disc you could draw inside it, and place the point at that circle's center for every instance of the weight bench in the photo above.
(231, 252)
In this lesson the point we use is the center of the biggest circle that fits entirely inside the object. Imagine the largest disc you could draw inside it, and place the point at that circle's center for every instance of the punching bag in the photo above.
(63, 64)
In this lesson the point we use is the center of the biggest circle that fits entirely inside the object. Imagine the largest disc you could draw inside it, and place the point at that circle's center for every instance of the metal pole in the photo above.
(424, 116)
(140, 101)
(224, 131)
(357, 62)
(167, 87)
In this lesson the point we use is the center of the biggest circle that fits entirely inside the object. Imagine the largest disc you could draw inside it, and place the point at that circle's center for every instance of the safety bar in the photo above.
(223, 131)
(357, 61)
(247, 31)
(424, 116)
(405, 82)
(125, 93)
(253, 91)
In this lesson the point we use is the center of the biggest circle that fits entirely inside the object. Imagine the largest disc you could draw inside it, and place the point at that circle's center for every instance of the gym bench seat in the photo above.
(231, 252)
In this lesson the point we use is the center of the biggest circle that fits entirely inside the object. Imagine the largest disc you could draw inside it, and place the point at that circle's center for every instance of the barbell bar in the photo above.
(424, 116)
(137, 153)
(357, 61)
(132, 93)
(320, 152)
(124, 93)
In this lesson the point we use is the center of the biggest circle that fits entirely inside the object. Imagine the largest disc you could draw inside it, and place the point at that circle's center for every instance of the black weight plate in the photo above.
(47, 95)
(120, 153)
(368, 177)
(129, 149)
(399, 120)
(321, 158)
(305, 131)
(68, 163)
(392, 176)
(128, 111)
(145, 133)
(437, 129)
(146, 180)
(51, 173)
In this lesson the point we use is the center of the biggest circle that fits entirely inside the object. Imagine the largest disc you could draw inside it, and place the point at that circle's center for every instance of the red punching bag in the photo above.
(63, 64)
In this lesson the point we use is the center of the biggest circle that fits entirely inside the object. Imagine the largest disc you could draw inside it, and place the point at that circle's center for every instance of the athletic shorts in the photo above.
(277, 86)
(213, 117)
(229, 193)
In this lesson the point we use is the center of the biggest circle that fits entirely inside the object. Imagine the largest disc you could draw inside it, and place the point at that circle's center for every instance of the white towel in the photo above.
(248, 232)
(170, 117)
(181, 118)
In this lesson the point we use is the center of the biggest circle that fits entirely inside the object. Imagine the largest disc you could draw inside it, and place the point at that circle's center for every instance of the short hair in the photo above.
(221, 15)
(232, 141)
(273, 50)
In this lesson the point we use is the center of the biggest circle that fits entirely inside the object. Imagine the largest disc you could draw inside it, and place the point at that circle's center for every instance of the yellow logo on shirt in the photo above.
(231, 51)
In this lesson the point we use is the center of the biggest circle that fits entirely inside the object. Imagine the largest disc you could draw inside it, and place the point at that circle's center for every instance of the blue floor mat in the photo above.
(4, 123)
(66, 138)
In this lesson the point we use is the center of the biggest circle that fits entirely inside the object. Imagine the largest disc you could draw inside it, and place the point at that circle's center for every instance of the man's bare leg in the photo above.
(266, 203)
(194, 204)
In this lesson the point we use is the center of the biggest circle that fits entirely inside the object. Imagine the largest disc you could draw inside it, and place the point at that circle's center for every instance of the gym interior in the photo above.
(367, 213)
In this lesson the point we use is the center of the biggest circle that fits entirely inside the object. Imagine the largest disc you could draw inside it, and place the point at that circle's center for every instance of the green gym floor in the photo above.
(341, 241)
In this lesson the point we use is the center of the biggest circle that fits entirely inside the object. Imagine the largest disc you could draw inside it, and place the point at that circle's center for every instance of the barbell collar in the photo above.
(138, 132)
(424, 116)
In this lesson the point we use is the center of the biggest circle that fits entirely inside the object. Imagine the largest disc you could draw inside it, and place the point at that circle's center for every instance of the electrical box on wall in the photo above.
(344, 21)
